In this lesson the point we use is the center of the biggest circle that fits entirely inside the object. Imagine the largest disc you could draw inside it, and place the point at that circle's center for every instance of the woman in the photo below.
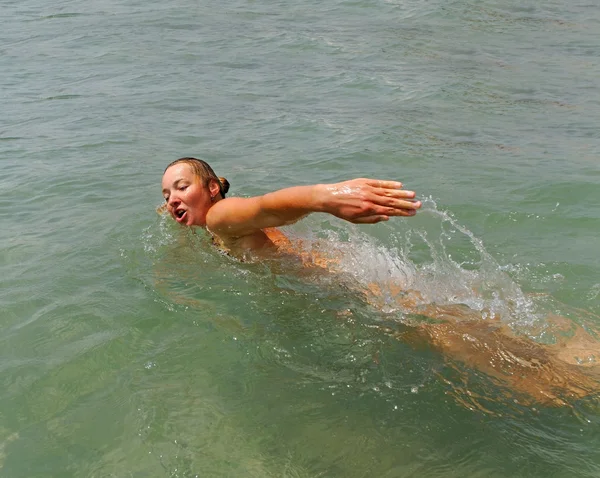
(195, 196)
(550, 374)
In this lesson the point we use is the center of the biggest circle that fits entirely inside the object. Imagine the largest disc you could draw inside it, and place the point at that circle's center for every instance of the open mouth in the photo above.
(179, 214)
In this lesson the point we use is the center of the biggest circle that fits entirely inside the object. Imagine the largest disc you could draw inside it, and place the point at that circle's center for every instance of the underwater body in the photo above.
(133, 347)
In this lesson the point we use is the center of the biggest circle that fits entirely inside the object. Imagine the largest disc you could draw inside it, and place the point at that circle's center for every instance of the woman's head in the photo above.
(190, 187)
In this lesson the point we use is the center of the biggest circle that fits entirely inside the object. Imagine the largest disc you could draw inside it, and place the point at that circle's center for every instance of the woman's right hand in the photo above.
(367, 201)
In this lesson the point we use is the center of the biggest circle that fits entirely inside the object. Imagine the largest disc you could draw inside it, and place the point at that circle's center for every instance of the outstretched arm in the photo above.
(358, 201)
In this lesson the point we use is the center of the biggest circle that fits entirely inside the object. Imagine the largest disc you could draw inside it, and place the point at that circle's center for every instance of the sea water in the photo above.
(132, 347)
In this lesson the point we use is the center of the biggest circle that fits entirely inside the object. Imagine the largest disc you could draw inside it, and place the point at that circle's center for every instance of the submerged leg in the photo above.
(543, 373)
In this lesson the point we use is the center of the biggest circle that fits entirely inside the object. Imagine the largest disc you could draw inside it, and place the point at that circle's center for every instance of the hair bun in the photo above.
(224, 185)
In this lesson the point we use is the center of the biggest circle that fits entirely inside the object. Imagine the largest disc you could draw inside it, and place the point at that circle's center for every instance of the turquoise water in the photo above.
(132, 348)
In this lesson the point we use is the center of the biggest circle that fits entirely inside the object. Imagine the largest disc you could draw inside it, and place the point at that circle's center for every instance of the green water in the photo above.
(132, 348)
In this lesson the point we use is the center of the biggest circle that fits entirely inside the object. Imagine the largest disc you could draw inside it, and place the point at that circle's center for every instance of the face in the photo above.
(188, 200)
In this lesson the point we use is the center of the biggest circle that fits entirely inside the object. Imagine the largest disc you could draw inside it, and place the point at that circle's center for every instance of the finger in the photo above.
(399, 204)
(380, 183)
(398, 212)
(370, 219)
(394, 193)
(407, 204)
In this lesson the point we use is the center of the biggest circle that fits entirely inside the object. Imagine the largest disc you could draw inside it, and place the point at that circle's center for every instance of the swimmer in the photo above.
(549, 374)
(195, 196)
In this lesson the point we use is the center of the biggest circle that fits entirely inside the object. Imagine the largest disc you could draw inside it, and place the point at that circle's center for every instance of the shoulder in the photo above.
(233, 217)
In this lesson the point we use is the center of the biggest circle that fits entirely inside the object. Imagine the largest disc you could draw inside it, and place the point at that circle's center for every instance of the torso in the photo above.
(267, 240)
(272, 241)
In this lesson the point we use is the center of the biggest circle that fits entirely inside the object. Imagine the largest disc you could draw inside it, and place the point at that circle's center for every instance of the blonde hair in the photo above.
(203, 171)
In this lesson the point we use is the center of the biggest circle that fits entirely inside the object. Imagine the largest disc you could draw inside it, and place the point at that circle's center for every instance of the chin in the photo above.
(195, 222)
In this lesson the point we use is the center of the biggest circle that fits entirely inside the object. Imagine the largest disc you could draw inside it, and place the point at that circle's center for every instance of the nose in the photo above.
(173, 201)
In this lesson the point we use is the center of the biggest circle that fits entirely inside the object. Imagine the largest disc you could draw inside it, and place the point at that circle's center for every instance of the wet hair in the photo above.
(203, 170)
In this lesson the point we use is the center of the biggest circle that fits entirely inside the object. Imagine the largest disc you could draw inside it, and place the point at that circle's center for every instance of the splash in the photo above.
(158, 234)
(429, 260)
(445, 292)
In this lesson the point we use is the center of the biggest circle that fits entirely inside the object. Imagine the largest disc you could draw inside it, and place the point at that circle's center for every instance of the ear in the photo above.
(214, 188)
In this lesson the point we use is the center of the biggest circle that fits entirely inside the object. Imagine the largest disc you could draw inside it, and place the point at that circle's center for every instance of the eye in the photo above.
(182, 188)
